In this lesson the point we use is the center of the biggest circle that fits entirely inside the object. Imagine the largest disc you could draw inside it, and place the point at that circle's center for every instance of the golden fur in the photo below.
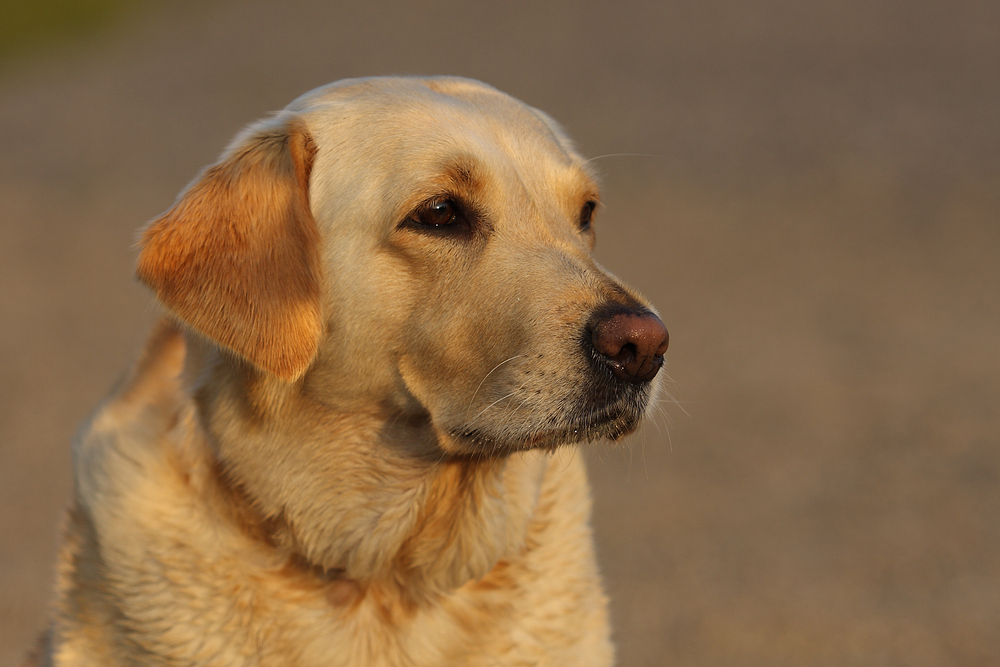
(344, 444)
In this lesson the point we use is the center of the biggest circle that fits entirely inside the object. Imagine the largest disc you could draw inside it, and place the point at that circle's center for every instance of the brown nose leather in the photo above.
(632, 343)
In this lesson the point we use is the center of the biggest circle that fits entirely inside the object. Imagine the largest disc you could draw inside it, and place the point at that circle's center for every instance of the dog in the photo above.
(349, 440)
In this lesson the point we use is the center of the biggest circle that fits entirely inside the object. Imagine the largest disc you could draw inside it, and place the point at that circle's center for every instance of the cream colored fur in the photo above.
(351, 441)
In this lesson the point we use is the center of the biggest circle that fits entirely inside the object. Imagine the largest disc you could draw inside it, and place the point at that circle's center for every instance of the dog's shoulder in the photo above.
(115, 444)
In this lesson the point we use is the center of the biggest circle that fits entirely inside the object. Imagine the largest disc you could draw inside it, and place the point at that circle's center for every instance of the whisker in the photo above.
(509, 414)
(572, 457)
(469, 409)
(480, 414)
(601, 157)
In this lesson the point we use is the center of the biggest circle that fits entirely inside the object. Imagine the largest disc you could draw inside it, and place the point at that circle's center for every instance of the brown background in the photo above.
(816, 213)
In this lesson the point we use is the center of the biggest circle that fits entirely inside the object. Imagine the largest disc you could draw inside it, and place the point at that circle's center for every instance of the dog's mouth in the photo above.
(581, 425)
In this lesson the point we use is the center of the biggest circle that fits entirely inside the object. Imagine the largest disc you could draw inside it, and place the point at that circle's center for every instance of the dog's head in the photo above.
(416, 248)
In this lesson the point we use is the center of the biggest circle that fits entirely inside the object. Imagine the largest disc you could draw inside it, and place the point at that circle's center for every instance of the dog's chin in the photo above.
(610, 423)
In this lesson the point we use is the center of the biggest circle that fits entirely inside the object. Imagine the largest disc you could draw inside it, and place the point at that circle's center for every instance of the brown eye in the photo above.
(436, 215)
(587, 215)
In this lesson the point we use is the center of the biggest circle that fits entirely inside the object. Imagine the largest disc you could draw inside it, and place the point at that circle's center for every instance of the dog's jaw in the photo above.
(584, 424)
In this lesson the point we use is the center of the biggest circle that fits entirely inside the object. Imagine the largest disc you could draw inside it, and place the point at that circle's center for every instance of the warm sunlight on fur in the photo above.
(349, 442)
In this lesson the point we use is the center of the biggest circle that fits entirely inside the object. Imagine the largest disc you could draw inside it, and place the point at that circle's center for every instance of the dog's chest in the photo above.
(159, 578)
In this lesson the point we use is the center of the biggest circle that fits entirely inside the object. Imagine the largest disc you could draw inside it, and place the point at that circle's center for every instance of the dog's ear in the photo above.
(237, 256)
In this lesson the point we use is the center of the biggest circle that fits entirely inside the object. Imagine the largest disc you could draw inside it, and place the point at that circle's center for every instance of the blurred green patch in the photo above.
(33, 26)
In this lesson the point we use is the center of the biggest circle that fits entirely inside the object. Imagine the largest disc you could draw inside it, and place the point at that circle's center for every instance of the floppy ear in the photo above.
(237, 256)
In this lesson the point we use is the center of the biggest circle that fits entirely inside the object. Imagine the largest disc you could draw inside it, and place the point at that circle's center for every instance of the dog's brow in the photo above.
(585, 185)
(453, 174)
(462, 175)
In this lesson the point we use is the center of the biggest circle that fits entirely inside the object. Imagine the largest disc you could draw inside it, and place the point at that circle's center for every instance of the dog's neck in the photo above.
(375, 501)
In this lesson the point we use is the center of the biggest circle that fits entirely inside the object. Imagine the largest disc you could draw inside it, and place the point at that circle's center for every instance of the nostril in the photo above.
(628, 353)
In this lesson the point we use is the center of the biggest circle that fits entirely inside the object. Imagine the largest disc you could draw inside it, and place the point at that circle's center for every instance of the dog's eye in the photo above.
(587, 215)
(444, 217)
(438, 214)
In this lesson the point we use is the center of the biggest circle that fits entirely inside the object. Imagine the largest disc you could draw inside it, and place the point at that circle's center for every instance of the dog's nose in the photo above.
(632, 343)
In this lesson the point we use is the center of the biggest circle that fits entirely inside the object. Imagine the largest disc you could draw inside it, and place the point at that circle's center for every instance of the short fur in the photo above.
(343, 446)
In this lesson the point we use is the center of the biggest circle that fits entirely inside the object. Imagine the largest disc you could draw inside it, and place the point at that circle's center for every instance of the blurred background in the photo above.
(808, 191)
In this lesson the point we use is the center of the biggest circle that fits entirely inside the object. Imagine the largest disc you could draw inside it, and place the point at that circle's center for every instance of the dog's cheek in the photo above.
(367, 328)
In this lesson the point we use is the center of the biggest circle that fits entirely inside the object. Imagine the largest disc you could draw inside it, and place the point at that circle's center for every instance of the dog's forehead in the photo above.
(387, 145)
(421, 117)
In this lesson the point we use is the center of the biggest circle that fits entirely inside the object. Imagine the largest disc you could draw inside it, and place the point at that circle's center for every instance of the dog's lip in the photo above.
(613, 427)
(614, 422)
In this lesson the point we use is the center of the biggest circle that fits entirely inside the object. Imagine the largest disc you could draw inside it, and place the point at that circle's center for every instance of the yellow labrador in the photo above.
(345, 446)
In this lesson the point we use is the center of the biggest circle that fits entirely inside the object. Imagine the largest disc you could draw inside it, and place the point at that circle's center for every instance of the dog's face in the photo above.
(419, 249)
